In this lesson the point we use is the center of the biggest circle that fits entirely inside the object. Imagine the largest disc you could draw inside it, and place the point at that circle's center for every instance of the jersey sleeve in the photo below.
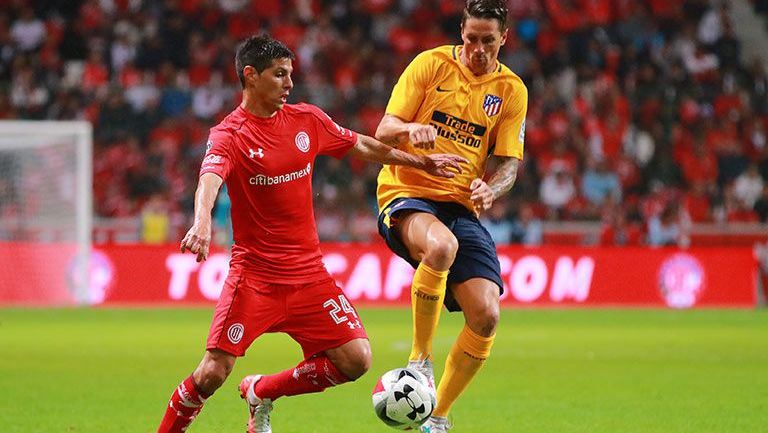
(333, 140)
(411, 87)
(217, 158)
(511, 135)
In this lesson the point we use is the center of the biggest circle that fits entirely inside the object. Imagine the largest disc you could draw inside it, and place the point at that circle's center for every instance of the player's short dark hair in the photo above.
(259, 51)
(486, 9)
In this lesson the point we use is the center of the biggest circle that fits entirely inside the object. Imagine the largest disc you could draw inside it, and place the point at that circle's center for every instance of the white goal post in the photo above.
(46, 211)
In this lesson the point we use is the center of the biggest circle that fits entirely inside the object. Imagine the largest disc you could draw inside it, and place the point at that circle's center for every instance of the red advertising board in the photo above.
(371, 274)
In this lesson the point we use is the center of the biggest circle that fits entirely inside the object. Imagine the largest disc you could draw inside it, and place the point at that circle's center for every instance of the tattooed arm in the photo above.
(483, 194)
(504, 177)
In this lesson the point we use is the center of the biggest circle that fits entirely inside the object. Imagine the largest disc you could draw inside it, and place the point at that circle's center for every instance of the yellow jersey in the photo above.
(475, 116)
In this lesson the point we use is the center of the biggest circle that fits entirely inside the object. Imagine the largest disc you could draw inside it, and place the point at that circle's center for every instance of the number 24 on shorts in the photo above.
(342, 305)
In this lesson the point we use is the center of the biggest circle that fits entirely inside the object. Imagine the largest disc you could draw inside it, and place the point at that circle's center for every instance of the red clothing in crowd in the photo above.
(699, 167)
(697, 206)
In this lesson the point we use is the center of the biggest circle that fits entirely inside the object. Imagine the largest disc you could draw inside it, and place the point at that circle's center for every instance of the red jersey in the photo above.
(267, 165)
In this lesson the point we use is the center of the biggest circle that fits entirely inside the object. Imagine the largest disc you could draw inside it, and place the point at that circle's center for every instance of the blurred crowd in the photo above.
(642, 114)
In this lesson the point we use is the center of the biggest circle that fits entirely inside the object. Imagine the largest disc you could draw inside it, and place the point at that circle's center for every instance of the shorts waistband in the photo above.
(262, 277)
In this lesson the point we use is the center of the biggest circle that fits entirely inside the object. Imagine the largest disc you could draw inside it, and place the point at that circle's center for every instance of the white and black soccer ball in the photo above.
(403, 399)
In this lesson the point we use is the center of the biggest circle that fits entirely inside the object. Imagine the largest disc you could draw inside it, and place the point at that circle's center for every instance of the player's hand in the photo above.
(197, 240)
(443, 164)
(422, 136)
(481, 195)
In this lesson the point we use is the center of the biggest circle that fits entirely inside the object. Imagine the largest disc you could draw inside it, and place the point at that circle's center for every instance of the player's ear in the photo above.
(504, 35)
(249, 72)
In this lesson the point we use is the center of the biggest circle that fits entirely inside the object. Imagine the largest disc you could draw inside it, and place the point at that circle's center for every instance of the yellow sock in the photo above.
(468, 354)
(427, 293)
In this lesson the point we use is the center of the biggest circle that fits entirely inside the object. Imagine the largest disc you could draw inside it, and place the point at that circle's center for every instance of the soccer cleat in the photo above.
(435, 424)
(259, 409)
(424, 367)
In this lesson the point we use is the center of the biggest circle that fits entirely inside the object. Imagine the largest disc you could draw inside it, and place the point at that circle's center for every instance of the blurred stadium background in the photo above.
(644, 114)
(645, 183)
(647, 123)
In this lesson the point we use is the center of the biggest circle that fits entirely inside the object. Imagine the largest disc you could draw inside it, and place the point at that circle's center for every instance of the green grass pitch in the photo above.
(644, 371)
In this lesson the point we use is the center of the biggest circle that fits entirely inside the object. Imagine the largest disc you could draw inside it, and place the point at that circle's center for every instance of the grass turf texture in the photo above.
(563, 371)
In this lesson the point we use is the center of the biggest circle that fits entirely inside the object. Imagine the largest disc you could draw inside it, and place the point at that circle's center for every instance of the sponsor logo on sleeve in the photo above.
(213, 159)
(343, 131)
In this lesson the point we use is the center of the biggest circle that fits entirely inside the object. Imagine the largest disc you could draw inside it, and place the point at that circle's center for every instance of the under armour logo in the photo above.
(355, 324)
(259, 152)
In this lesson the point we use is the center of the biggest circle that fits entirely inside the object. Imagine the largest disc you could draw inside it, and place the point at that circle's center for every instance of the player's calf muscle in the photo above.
(213, 371)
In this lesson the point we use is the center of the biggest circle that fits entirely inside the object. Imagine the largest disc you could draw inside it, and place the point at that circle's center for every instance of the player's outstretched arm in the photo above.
(394, 131)
(439, 164)
(198, 238)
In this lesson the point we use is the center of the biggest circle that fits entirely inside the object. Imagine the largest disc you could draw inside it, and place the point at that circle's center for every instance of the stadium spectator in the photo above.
(28, 31)
(556, 192)
(748, 186)
(28, 94)
(732, 210)
(761, 205)
(155, 220)
(670, 228)
(699, 166)
(527, 228)
(222, 220)
(697, 202)
(712, 23)
(618, 229)
(209, 100)
(599, 183)
(498, 222)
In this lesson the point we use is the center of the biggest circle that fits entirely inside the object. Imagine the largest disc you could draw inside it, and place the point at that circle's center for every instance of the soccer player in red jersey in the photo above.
(265, 150)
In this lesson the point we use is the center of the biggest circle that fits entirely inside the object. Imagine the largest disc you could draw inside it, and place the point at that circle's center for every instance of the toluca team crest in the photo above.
(492, 105)
(302, 141)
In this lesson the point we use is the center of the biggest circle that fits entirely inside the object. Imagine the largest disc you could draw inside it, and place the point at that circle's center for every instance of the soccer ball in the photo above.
(403, 399)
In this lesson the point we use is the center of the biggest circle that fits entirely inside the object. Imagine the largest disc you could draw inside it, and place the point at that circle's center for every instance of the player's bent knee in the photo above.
(355, 360)
(358, 367)
(359, 362)
(442, 251)
(484, 322)
(490, 322)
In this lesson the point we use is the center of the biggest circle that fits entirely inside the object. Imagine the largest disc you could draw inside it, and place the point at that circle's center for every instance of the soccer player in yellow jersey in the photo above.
(453, 99)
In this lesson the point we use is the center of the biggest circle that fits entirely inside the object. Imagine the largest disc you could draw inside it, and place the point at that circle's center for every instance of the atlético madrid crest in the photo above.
(492, 105)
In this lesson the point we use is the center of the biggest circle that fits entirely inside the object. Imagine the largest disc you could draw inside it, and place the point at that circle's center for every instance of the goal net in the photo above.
(45, 212)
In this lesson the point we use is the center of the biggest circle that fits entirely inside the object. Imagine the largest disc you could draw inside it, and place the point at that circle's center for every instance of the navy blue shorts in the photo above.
(476, 256)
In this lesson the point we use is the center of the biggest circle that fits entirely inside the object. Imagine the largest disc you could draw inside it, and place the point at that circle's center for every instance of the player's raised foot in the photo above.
(424, 367)
(435, 424)
(259, 409)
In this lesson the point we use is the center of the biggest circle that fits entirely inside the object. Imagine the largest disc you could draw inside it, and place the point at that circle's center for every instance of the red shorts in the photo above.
(317, 315)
